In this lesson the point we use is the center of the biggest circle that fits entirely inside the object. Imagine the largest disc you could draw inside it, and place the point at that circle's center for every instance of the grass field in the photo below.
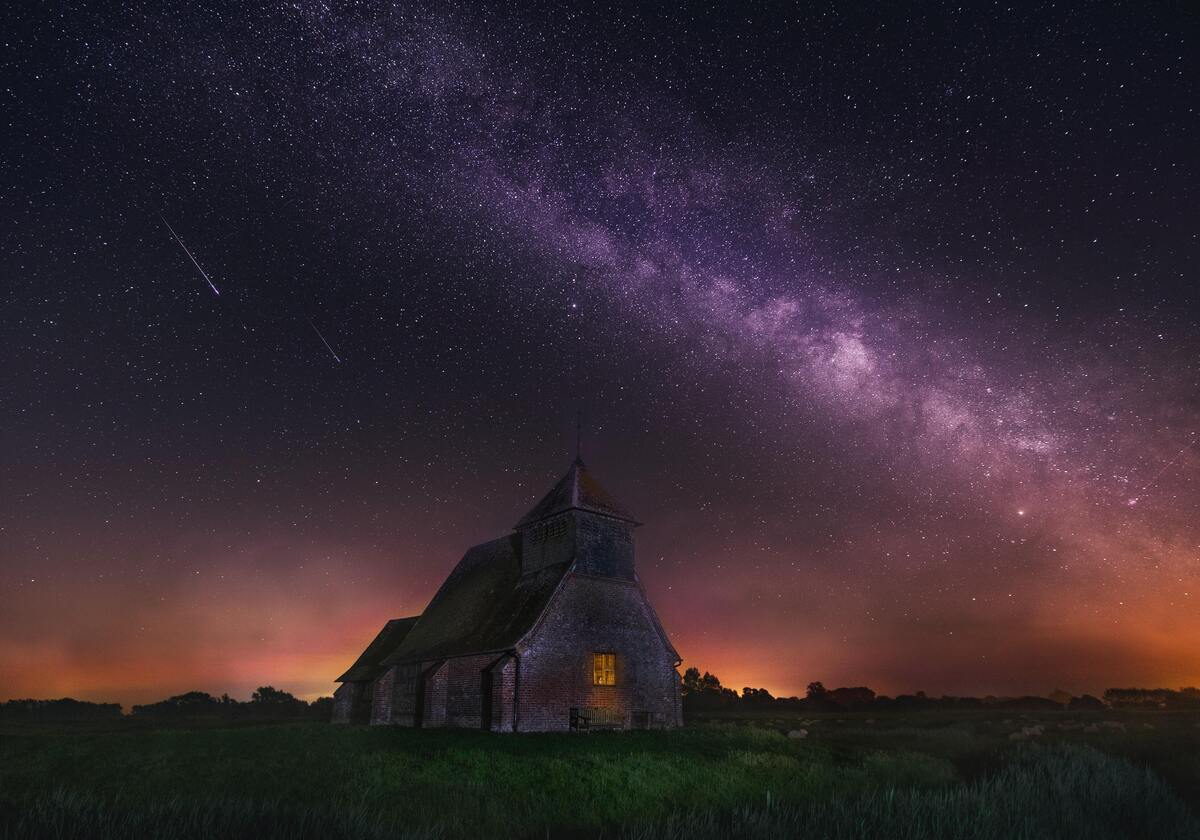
(915, 776)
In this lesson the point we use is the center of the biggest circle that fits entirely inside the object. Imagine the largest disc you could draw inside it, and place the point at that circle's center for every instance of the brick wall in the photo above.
(503, 672)
(434, 689)
(444, 692)
(381, 702)
(591, 615)
(343, 702)
(454, 692)
(352, 702)
(405, 695)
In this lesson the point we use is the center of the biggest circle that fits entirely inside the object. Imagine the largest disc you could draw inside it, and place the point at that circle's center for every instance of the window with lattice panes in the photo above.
(604, 668)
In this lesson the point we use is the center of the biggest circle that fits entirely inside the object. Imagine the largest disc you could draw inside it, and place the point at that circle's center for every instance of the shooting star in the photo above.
(323, 341)
(190, 257)
(1141, 493)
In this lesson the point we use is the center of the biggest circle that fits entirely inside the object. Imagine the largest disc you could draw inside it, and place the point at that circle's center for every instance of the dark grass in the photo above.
(917, 776)
(1042, 792)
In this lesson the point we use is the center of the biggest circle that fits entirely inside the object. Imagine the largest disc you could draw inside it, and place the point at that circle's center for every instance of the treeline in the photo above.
(704, 693)
(267, 703)
(61, 709)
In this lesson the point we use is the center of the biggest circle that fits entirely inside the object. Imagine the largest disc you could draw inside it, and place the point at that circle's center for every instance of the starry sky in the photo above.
(886, 323)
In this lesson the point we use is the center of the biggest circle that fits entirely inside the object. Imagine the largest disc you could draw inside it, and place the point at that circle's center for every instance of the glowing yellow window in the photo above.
(604, 668)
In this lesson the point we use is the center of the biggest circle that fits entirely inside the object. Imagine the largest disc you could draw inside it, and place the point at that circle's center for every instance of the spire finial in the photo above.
(578, 436)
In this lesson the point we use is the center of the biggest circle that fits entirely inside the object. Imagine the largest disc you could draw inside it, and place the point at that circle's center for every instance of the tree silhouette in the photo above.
(269, 695)
(856, 697)
(756, 695)
(709, 684)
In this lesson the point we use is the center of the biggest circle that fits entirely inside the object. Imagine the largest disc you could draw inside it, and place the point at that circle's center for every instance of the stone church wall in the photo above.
(454, 692)
(343, 702)
(433, 698)
(395, 696)
(597, 615)
(405, 698)
(381, 702)
(503, 677)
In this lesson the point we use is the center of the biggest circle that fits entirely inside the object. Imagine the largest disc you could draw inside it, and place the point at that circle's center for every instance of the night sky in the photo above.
(888, 328)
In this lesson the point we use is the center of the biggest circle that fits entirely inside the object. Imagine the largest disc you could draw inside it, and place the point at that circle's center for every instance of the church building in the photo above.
(546, 629)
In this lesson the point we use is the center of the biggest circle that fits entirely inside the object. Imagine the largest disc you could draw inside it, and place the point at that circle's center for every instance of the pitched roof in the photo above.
(577, 490)
(367, 666)
(485, 605)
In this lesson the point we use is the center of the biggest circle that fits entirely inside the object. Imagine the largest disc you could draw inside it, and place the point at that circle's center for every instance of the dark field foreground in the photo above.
(918, 776)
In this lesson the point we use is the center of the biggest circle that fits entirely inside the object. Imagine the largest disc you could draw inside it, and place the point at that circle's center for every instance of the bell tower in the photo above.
(578, 522)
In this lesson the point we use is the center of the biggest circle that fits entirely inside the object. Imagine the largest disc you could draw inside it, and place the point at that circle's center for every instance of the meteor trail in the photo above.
(323, 341)
(1159, 474)
(190, 257)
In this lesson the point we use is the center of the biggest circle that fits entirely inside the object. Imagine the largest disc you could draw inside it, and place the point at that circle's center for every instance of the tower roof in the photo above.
(577, 490)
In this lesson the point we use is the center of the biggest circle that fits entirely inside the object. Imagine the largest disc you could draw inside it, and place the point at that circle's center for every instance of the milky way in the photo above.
(886, 327)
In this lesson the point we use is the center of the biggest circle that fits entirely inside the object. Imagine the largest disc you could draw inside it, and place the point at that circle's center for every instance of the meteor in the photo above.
(323, 341)
(190, 257)
(1141, 493)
